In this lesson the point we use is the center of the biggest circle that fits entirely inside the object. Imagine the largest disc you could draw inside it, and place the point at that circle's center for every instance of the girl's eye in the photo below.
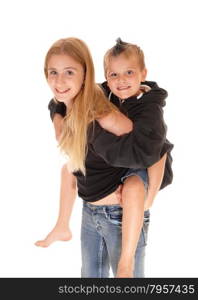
(53, 72)
(69, 72)
(113, 75)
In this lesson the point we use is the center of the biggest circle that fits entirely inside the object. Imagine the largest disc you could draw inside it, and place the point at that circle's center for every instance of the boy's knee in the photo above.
(133, 182)
(133, 185)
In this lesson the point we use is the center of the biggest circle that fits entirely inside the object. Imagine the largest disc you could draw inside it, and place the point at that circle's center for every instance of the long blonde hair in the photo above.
(88, 105)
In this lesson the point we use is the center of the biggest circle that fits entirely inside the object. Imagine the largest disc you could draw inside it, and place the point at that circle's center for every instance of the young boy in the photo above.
(125, 71)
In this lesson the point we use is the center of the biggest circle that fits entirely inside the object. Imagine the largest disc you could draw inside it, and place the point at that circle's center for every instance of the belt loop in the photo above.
(105, 212)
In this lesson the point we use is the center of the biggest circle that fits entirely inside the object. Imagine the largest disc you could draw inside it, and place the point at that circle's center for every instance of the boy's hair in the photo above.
(89, 104)
(128, 50)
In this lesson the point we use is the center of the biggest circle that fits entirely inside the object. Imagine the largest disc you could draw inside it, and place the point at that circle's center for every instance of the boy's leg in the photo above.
(141, 248)
(155, 174)
(133, 196)
(112, 233)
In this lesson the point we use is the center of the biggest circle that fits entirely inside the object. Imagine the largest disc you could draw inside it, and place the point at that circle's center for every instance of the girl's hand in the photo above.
(57, 234)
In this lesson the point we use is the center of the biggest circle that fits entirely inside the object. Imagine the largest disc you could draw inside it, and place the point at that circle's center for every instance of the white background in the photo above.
(30, 161)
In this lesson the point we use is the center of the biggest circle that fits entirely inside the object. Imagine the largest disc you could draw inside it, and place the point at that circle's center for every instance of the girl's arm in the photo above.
(116, 123)
(58, 125)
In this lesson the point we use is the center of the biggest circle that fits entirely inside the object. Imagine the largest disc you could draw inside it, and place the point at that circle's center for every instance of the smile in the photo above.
(123, 88)
(62, 92)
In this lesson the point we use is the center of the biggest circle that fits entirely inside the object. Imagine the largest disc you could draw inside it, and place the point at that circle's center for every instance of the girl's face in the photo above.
(65, 77)
(124, 76)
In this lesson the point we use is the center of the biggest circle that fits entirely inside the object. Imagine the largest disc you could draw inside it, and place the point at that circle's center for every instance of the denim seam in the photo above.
(100, 257)
(143, 233)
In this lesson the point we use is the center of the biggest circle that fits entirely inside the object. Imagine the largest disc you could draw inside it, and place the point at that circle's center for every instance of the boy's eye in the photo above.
(130, 72)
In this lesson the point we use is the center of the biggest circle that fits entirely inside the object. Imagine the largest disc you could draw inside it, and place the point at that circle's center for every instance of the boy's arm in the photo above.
(146, 143)
(140, 148)
(116, 123)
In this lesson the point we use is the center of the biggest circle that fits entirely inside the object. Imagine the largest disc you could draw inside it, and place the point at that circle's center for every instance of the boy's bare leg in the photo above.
(133, 195)
(61, 231)
(155, 175)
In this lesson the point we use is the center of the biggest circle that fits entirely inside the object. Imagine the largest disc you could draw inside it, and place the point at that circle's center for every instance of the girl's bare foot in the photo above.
(55, 235)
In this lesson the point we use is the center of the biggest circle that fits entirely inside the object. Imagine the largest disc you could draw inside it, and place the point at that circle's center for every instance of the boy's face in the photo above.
(124, 76)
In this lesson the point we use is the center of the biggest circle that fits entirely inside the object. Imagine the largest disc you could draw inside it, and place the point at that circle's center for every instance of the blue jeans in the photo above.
(101, 235)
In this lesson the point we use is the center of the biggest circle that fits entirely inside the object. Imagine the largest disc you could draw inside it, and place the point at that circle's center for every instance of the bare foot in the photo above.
(125, 269)
(55, 235)
(124, 273)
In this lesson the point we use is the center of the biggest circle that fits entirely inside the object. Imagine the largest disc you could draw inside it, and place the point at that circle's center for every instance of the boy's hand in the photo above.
(57, 234)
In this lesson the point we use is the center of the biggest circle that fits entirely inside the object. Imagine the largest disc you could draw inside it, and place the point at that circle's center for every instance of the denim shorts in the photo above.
(141, 173)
